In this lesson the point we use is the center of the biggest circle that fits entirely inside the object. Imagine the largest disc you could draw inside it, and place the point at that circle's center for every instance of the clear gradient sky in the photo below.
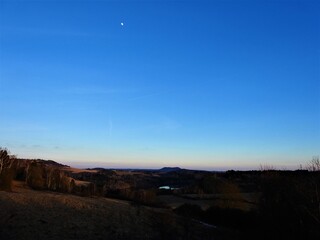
(195, 84)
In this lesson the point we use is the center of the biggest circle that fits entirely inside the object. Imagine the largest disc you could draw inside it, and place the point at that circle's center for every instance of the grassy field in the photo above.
(29, 214)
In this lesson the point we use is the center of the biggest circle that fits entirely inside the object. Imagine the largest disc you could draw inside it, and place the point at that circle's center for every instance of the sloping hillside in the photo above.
(30, 214)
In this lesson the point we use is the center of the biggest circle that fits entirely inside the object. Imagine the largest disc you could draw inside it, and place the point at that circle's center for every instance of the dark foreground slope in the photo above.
(30, 214)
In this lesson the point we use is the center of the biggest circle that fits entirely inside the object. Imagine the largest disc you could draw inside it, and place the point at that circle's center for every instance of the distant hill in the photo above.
(170, 169)
(46, 162)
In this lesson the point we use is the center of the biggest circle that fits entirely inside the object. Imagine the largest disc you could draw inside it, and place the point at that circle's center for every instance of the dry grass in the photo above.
(28, 214)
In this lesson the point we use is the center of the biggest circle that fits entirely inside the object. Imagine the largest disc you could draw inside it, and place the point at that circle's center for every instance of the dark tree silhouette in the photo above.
(6, 170)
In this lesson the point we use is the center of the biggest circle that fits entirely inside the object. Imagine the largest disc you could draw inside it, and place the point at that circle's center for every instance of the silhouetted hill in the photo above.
(170, 169)
(46, 162)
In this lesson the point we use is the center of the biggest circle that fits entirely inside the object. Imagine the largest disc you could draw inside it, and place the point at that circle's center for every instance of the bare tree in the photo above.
(6, 171)
(314, 164)
(4, 156)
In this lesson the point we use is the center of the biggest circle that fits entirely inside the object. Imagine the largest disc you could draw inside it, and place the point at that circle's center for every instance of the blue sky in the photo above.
(195, 84)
